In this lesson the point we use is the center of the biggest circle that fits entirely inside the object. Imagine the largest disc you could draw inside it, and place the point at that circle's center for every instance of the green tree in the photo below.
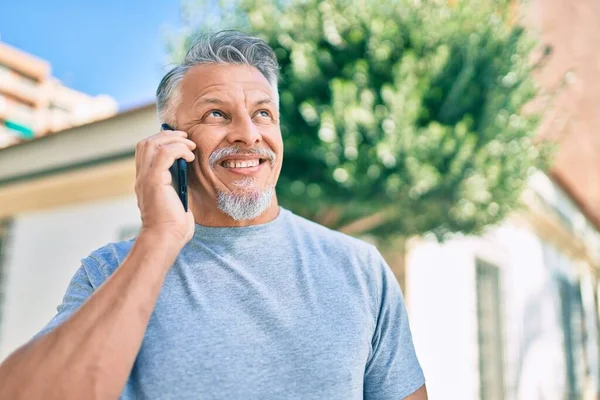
(405, 115)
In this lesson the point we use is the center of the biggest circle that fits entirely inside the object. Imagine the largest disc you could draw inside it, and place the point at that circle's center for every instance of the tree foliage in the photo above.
(415, 107)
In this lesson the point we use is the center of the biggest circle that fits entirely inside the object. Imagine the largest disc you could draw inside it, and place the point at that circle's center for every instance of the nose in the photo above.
(244, 131)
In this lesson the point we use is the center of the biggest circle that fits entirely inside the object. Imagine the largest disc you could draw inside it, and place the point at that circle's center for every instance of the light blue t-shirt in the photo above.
(284, 310)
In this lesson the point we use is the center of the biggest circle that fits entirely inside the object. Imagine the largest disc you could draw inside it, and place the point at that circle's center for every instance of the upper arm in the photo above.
(393, 370)
(420, 394)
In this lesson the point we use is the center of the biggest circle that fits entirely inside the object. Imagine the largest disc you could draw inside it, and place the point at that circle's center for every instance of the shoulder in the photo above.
(333, 242)
(102, 262)
(355, 262)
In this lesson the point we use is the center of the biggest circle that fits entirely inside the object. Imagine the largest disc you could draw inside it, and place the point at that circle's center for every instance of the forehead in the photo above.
(229, 79)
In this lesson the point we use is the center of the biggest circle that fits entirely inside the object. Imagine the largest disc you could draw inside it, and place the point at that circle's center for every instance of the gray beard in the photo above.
(248, 202)
(245, 204)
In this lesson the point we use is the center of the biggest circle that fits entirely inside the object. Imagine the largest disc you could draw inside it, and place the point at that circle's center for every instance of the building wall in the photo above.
(43, 253)
(441, 303)
(550, 334)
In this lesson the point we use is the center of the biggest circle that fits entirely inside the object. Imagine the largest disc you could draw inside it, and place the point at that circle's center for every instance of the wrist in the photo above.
(162, 238)
(158, 244)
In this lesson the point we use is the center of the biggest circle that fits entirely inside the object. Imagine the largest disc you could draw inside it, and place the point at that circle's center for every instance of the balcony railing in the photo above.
(17, 112)
(13, 84)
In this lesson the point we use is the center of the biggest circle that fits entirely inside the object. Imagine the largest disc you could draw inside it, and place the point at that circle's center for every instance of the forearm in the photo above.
(91, 354)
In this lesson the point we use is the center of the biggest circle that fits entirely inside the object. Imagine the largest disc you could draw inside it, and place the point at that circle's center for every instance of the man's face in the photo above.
(231, 113)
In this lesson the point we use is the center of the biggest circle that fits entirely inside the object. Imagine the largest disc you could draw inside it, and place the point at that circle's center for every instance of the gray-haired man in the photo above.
(237, 298)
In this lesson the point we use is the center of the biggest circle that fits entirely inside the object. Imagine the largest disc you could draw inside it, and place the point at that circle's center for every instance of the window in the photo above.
(568, 290)
(490, 331)
(573, 331)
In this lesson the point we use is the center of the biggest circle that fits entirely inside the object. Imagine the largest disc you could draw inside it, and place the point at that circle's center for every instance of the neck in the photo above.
(206, 213)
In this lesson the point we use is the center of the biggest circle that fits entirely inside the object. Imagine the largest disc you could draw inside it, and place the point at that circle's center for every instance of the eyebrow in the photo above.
(265, 101)
(212, 100)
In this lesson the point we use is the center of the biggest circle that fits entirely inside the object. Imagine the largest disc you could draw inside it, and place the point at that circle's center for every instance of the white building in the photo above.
(512, 315)
(33, 103)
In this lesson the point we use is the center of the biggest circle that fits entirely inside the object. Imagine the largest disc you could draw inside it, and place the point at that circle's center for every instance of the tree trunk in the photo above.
(393, 251)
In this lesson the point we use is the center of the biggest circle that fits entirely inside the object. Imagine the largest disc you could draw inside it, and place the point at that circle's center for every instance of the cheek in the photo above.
(207, 140)
(203, 150)
(274, 140)
(204, 153)
(202, 159)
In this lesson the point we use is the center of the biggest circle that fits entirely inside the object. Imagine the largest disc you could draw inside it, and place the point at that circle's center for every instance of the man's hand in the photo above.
(159, 205)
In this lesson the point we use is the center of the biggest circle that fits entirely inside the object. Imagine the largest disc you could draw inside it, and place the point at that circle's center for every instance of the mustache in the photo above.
(219, 154)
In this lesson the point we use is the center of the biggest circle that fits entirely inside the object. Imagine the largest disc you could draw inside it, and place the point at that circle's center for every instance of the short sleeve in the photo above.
(393, 370)
(79, 290)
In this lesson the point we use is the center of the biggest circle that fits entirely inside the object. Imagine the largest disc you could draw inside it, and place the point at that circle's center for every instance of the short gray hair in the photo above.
(224, 47)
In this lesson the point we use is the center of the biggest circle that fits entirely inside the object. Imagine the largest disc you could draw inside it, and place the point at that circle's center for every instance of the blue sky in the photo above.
(114, 47)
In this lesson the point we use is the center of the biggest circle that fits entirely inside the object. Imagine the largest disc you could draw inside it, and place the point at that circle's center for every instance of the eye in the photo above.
(215, 114)
(264, 113)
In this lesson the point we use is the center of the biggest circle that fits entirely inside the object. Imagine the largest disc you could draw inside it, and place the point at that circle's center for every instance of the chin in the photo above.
(244, 205)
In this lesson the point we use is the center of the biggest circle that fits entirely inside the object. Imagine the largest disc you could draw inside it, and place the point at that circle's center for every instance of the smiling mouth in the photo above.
(238, 164)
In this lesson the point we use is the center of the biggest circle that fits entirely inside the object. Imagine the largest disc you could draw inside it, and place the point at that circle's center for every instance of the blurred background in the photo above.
(461, 137)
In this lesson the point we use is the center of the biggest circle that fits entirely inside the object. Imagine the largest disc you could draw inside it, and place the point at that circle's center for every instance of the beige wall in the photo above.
(44, 251)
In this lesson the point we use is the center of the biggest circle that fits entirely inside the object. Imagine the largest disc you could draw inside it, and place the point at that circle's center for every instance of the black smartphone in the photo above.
(179, 175)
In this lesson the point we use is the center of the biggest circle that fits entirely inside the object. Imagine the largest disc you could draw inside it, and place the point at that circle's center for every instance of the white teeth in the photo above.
(240, 164)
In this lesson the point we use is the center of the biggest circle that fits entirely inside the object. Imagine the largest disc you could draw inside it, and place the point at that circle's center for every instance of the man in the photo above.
(236, 299)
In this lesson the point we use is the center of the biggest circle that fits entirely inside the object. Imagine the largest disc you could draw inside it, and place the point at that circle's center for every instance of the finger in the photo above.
(148, 149)
(166, 138)
(162, 138)
(166, 155)
(139, 156)
(183, 145)
(178, 133)
(172, 133)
